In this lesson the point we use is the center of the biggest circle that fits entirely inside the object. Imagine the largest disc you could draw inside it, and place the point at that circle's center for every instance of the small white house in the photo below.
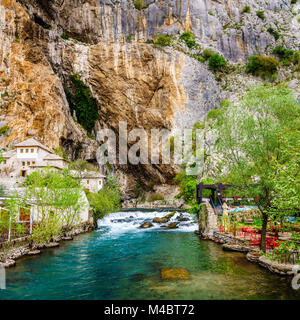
(29, 155)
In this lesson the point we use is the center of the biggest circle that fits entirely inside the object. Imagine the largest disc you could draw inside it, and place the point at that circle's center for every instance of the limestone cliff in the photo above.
(108, 42)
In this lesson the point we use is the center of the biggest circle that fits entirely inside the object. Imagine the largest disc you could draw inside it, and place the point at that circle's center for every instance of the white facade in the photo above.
(30, 155)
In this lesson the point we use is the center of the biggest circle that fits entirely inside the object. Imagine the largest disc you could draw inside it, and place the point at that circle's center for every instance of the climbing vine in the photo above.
(82, 103)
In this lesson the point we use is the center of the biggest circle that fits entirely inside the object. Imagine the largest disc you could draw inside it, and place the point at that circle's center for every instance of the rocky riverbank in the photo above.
(24, 246)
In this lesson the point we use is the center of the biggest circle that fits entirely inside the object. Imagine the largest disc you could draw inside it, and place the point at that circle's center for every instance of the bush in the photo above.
(283, 53)
(162, 40)
(4, 130)
(156, 197)
(274, 33)
(107, 200)
(64, 36)
(188, 38)
(246, 9)
(207, 53)
(294, 1)
(262, 66)
(261, 14)
(82, 103)
(139, 4)
(216, 62)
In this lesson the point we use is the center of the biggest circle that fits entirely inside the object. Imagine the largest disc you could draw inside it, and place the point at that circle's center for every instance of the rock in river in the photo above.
(146, 225)
(173, 274)
(172, 225)
(160, 220)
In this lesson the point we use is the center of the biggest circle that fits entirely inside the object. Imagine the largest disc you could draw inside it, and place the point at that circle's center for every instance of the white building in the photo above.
(29, 155)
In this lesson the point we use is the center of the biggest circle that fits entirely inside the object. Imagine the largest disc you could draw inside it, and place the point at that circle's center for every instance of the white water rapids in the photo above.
(130, 221)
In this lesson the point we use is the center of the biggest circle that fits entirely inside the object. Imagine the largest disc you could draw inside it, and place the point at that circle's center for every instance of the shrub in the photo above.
(156, 197)
(261, 14)
(207, 53)
(213, 114)
(82, 103)
(188, 38)
(60, 152)
(64, 36)
(216, 62)
(139, 4)
(162, 40)
(107, 200)
(4, 130)
(246, 9)
(294, 1)
(262, 66)
(274, 33)
(283, 53)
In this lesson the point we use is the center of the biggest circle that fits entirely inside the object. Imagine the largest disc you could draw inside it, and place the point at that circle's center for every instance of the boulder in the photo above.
(160, 220)
(253, 256)
(183, 219)
(146, 225)
(169, 216)
(172, 225)
(8, 263)
(174, 274)
(235, 247)
(51, 244)
(33, 252)
(67, 238)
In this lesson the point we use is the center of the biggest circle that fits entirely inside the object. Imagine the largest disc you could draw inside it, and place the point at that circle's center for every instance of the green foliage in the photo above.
(4, 130)
(283, 53)
(82, 165)
(216, 62)
(82, 103)
(274, 33)
(139, 4)
(51, 179)
(162, 40)
(156, 197)
(261, 14)
(195, 209)
(207, 53)
(258, 145)
(246, 9)
(60, 152)
(64, 36)
(214, 114)
(294, 1)
(265, 67)
(188, 38)
(107, 200)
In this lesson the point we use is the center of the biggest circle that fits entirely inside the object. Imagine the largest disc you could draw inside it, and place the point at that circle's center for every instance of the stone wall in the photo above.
(208, 220)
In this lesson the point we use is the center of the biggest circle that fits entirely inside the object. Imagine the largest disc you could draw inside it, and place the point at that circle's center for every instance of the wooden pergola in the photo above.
(217, 189)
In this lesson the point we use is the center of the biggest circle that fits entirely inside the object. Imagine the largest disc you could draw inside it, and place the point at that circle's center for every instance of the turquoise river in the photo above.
(119, 260)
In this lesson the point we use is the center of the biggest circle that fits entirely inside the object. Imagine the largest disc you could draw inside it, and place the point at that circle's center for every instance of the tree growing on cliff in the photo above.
(258, 140)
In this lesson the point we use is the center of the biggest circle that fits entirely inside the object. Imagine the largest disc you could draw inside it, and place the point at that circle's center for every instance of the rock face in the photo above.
(106, 42)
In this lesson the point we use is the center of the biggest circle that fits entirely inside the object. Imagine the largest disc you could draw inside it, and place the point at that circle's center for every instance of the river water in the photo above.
(119, 260)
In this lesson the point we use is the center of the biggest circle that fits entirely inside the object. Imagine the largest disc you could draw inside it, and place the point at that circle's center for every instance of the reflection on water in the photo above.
(121, 261)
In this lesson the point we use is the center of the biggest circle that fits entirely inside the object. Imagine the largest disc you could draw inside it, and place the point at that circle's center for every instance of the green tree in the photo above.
(252, 139)
(57, 198)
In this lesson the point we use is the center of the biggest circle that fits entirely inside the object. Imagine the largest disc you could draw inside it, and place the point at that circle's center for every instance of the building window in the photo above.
(23, 163)
(27, 150)
(87, 181)
(4, 161)
(28, 163)
(31, 150)
(33, 162)
(23, 173)
(21, 150)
